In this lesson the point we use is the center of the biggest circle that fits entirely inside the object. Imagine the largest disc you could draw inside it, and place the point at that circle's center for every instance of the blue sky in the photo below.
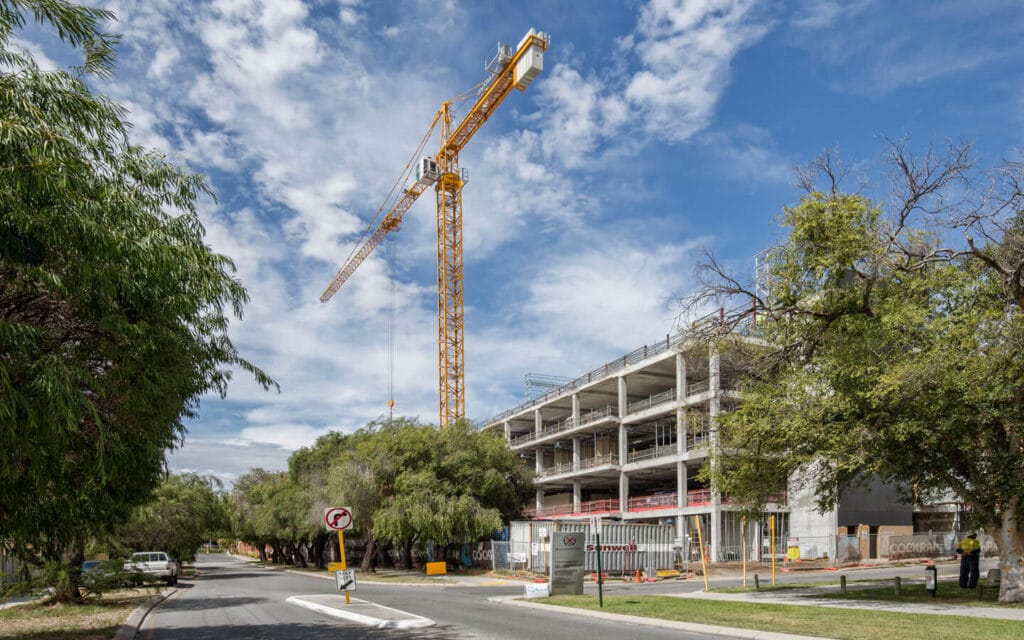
(656, 128)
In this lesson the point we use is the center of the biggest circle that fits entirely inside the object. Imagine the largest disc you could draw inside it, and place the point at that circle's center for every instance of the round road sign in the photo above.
(338, 518)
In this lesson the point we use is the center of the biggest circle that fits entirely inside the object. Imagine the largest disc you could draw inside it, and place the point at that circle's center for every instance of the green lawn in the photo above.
(842, 624)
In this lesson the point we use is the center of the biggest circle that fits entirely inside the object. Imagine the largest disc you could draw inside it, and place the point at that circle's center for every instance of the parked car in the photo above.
(154, 563)
(103, 575)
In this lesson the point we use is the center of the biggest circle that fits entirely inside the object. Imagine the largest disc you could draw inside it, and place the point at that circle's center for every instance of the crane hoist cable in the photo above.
(389, 250)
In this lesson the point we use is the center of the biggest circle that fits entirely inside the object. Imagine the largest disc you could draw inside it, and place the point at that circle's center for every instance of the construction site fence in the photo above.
(625, 547)
(846, 549)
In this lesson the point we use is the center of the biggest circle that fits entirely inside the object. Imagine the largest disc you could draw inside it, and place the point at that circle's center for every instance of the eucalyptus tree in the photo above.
(409, 482)
(183, 512)
(886, 346)
(308, 469)
(113, 311)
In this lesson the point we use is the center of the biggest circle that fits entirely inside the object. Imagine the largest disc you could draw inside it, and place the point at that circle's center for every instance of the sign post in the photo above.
(703, 561)
(595, 526)
(338, 519)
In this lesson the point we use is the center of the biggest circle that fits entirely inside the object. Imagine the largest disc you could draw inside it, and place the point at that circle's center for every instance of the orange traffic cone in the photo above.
(636, 578)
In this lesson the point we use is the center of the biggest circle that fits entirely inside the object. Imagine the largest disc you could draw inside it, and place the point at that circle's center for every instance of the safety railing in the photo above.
(697, 440)
(651, 401)
(599, 506)
(554, 470)
(657, 451)
(599, 461)
(656, 501)
(697, 386)
(698, 497)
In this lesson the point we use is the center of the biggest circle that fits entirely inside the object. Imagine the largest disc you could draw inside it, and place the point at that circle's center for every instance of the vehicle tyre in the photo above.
(170, 581)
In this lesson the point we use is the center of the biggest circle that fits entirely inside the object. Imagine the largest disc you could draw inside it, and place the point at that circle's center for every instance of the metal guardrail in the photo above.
(568, 424)
(651, 401)
(698, 497)
(697, 440)
(651, 453)
(599, 461)
(658, 501)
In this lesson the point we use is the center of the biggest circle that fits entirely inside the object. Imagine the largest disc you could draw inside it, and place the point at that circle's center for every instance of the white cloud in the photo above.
(286, 436)
(824, 14)
(748, 154)
(687, 48)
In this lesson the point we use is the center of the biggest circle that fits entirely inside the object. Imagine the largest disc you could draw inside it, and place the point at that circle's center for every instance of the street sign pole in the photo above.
(344, 563)
(595, 526)
(339, 519)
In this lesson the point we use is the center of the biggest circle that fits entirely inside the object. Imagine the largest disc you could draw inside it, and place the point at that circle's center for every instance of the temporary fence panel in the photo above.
(626, 547)
(499, 554)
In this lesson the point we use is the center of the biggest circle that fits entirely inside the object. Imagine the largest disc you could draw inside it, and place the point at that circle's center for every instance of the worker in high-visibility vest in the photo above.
(970, 555)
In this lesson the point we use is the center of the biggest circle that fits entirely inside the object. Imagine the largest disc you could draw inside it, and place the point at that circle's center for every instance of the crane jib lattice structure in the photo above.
(510, 68)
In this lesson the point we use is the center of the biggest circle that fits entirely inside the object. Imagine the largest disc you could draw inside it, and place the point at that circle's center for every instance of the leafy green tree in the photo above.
(113, 311)
(309, 468)
(183, 512)
(883, 352)
(408, 482)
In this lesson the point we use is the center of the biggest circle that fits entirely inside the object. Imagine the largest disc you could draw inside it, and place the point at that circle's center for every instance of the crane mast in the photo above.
(510, 69)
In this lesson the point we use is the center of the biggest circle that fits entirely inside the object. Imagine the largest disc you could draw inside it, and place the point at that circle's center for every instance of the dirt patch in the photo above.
(92, 620)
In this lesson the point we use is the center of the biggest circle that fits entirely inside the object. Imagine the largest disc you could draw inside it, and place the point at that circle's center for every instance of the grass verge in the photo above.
(97, 619)
(841, 624)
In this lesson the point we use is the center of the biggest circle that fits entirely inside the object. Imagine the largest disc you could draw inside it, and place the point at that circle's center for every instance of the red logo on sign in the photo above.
(569, 541)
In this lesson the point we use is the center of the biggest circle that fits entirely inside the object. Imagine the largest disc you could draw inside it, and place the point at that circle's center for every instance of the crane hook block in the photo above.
(426, 171)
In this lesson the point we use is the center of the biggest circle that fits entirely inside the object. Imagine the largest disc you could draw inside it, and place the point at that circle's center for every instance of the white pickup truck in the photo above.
(155, 563)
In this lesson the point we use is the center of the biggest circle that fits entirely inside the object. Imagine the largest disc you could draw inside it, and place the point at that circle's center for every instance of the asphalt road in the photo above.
(232, 600)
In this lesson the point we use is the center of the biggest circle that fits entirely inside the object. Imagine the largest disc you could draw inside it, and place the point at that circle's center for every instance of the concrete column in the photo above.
(714, 409)
(681, 377)
(623, 491)
(538, 462)
(576, 486)
(540, 498)
(623, 444)
(680, 431)
(575, 409)
(508, 431)
(576, 446)
(623, 398)
(538, 422)
(681, 484)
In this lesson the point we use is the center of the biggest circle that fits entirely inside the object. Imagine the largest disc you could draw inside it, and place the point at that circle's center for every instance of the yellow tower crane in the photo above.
(510, 68)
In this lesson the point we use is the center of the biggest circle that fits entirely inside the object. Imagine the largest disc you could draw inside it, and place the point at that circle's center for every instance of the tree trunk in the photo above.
(319, 543)
(1011, 556)
(66, 590)
(300, 553)
(277, 554)
(367, 566)
(407, 555)
(263, 552)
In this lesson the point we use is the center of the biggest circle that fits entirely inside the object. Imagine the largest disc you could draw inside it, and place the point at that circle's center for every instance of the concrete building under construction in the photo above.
(625, 441)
